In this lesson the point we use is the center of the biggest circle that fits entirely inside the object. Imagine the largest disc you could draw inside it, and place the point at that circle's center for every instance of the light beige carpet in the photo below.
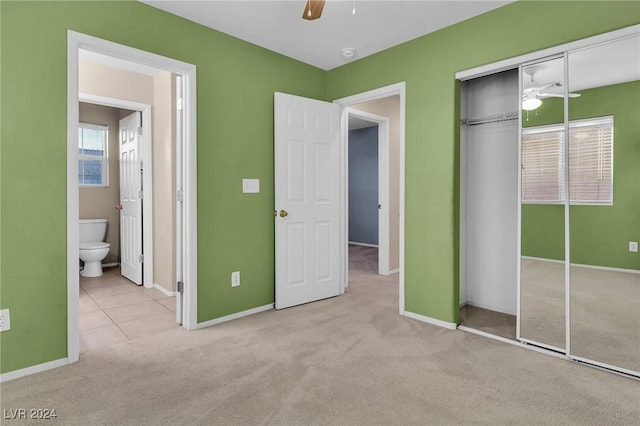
(350, 360)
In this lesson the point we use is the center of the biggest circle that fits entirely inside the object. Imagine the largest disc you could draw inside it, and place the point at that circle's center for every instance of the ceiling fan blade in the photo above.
(550, 95)
(548, 86)
(313, 9)
(556, 95)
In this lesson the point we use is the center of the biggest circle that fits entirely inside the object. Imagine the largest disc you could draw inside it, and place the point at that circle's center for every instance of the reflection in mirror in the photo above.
(604, 190)
(543, 193)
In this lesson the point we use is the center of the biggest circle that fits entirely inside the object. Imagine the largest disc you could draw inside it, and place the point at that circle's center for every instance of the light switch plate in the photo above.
(250, 186)
(633, 246)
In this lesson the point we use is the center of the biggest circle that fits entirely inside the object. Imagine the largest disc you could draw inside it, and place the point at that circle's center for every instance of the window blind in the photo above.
(590, 163)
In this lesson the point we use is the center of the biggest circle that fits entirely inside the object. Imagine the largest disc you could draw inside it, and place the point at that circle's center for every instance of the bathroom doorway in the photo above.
(138, 205)
(182, 229)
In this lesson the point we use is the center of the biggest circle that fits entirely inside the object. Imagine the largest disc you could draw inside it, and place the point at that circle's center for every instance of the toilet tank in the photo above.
(92, 230)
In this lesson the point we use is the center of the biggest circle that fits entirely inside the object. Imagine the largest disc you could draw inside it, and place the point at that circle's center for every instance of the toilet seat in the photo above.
(94, 245)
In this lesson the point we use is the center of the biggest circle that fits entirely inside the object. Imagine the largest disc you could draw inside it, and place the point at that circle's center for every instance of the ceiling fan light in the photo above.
(531, 104)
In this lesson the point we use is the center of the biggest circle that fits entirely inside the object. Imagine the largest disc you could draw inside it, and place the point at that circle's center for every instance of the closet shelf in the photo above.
(497, 118)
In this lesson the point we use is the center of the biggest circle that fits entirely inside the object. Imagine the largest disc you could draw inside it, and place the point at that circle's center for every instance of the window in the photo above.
(590, 163)
(92, 155)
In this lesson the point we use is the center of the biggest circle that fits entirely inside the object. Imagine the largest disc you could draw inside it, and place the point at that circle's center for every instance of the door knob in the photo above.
(118, 206)
(283, 213)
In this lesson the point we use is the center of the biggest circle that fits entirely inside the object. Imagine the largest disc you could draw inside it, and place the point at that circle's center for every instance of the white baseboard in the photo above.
(580, 265)
(363, 244)
(607, 268)
(109, 265)
(11, 375)
(394, 271)
(164, 290)
(542, 259)
(235, 316)
(429, 320)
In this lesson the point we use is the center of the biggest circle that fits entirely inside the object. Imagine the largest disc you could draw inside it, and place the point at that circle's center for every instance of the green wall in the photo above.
(428, 65)
(599, 235)
(235, 83)
(236, 80)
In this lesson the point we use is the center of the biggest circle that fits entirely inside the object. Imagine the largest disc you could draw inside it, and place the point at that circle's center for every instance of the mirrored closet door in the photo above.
(552, 261)
(604, 194)
(542, 197)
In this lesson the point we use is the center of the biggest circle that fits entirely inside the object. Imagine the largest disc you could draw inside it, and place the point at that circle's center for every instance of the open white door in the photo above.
(307, 200)
(131, 197)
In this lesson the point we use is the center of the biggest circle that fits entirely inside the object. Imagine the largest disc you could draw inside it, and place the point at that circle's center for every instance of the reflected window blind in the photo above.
(590, 163)
(542, 165)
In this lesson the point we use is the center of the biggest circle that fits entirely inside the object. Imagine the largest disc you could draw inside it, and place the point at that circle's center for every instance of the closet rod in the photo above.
(497, 118)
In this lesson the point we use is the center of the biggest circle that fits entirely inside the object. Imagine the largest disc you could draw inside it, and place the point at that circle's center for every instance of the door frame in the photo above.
(186, 180)
(383, 184)
(147, 175)
(398, 89)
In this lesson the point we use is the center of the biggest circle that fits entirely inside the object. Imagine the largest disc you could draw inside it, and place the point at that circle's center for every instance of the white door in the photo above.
(307, 179)
(131, 197)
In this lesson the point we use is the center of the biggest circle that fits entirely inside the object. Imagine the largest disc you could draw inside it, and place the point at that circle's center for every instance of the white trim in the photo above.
(581, 265)
(513, 342)
(562, 351)
(511, 63)
(394, 271)
(429, 320)
(164, 290)
(235, 316)
(16, 374)
(543, 259)
(383, 183)
(380, 93)
(606, 268)
(583, 361)
(607, 367)
(353, 243)
(186, 181)
(110, 265)
(147, 176)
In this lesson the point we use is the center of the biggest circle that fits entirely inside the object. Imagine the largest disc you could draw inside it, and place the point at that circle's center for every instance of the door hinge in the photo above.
(179, 104)
(141, 258)
(180, 196)
(180, 287)
(140, 131)
(140, 194)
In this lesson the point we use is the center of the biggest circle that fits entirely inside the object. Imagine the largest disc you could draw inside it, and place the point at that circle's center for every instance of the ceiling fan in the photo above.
(532, 96)
(313, 9)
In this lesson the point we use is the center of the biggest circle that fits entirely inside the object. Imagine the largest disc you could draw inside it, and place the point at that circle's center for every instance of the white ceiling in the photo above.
(277, 25)
(601, 65)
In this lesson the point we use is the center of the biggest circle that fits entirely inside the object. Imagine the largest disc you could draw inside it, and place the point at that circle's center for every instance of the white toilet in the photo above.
(92, 248)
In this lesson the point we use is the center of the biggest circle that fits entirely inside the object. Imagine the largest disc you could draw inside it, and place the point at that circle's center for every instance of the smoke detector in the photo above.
(348, 52)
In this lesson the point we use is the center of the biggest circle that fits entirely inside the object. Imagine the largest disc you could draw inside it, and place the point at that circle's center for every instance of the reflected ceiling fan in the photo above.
(532, 96)
(313, 9)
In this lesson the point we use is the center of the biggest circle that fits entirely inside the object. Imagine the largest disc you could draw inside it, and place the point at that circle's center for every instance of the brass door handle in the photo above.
(283, 213)
(118, 206)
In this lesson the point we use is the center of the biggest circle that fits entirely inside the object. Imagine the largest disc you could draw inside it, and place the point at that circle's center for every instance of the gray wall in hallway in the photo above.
(363, 185)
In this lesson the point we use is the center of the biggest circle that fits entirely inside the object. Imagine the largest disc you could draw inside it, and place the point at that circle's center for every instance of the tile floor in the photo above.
(114, 310)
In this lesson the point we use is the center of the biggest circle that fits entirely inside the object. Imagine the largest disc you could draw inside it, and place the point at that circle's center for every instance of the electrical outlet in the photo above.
(633, 246)
(5, 324)
(235, 279)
